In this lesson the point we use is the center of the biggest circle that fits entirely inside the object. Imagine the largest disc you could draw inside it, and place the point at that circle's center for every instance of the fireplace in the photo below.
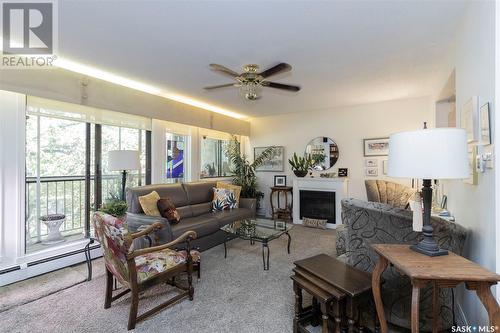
(317, 205)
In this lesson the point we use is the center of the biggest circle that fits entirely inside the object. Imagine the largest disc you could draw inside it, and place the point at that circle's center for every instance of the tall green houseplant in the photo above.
(244, 171)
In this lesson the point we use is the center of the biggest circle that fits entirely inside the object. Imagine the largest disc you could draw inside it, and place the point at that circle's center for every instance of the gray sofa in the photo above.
(367, 223)
(193, 202)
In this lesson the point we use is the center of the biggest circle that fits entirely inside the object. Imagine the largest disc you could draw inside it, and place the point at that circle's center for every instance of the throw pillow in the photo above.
(149, 204)
(314, 223)
(236, 189)
(223, 199)
(167, 210)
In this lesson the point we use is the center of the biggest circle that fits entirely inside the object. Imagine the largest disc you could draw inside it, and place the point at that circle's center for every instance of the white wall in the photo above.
(474, 205)
(347, 126)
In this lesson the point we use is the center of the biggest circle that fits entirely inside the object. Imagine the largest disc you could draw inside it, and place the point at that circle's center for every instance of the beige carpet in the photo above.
(234, 294)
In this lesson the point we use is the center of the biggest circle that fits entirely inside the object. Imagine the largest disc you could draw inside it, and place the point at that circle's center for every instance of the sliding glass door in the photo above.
(55, 177)
(67, 171)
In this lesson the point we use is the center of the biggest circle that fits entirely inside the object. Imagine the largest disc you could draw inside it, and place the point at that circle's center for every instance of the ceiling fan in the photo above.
(250, 82)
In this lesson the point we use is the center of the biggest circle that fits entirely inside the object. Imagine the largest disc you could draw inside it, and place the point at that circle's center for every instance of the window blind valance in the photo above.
(56, 109)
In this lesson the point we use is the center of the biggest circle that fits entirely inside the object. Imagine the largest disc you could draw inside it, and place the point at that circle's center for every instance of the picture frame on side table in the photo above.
(343, 172)
(376, 147)
(275, 163)
(484, 124)
(469, 119)
(371, 172)
(279, 180)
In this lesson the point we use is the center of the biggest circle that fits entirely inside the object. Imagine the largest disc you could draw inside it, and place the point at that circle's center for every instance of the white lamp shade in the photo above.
(124, 160)
(439, 153)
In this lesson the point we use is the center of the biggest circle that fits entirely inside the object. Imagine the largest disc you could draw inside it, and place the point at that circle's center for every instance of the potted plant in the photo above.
(244, 171)
(300, 164)
(115, 207)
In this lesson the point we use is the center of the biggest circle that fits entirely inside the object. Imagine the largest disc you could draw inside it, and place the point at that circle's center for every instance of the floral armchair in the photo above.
(139, 269)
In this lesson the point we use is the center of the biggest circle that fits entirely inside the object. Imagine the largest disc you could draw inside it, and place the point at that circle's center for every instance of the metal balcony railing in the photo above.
(64, 195)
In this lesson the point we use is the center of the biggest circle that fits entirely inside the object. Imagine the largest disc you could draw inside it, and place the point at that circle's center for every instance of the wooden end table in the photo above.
(281, 212)
(339, 288)
(442, 272)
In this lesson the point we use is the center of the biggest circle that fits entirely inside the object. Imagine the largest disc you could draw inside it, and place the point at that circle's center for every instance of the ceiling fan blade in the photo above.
(280, 68)
(280, 86)
(220, 86)
(223, 70)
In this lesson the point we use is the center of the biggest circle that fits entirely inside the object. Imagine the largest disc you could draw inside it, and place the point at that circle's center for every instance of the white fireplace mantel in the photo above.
(339, 185)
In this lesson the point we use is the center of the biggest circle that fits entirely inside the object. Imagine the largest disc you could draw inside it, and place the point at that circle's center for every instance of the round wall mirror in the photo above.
(324, 151)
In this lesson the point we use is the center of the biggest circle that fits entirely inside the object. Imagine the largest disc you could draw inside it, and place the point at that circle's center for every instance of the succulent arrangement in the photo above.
(300, 164)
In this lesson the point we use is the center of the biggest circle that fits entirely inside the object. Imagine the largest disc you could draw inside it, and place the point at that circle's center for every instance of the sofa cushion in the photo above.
(149, 203)
(199, 192)
(235, 188)
(223, 199)
(185, 211)
(203, 225)
(173, 191)
(201, 208)
(167, 210)
(229, 216)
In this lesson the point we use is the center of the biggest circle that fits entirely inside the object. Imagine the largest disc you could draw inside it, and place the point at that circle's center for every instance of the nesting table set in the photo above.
(338, 291)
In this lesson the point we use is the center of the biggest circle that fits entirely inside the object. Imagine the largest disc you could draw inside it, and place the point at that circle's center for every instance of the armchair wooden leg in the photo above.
(109, 289)
(190, 281)
(132, 317)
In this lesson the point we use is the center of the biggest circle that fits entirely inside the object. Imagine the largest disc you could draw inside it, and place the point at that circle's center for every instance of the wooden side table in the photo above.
(340, 290)
(281, 212)
(442, 272)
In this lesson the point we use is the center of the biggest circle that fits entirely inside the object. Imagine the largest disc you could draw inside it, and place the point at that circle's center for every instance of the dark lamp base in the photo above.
(431, 253)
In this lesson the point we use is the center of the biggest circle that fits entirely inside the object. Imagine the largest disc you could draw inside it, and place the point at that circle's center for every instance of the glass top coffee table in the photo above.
(258, 230)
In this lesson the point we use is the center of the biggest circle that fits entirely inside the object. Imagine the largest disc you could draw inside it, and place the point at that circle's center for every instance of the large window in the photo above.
(214, 162)
(67, 168)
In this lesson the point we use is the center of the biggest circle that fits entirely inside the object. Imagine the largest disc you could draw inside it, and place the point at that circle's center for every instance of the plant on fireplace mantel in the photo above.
(244, 171)
(301, 164)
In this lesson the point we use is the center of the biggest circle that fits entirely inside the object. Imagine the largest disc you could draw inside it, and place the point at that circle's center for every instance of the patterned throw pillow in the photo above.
(236, 189)
(223, 199)
(314, 223)
(167, 210)
(149, 204)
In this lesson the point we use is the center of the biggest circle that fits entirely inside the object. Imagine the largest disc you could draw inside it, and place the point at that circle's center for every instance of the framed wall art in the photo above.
(469, 119)
(484, 125)
(275, 163)
(376, 147)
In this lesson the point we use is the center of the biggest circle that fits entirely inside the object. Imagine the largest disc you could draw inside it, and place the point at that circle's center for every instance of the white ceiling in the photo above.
(342, 52)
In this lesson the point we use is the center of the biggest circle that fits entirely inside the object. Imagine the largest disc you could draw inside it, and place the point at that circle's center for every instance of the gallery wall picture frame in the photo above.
(371, 162)
(276, 163)
(385, 164)
(279, 180)
(376, 147)
(484, 124)
(469, 119)
(371, 172)
(472, 152)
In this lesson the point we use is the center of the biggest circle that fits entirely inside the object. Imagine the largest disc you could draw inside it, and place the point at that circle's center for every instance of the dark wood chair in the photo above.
(140, 269)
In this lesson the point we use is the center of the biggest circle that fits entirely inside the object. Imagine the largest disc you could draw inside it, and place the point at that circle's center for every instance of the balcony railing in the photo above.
(64, 195)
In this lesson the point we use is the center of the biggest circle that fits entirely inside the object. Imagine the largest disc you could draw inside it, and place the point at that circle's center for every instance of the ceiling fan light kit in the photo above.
(250, 82)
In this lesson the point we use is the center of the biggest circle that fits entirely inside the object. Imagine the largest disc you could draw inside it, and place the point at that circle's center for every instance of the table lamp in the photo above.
(124, 160)
(429, 154)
